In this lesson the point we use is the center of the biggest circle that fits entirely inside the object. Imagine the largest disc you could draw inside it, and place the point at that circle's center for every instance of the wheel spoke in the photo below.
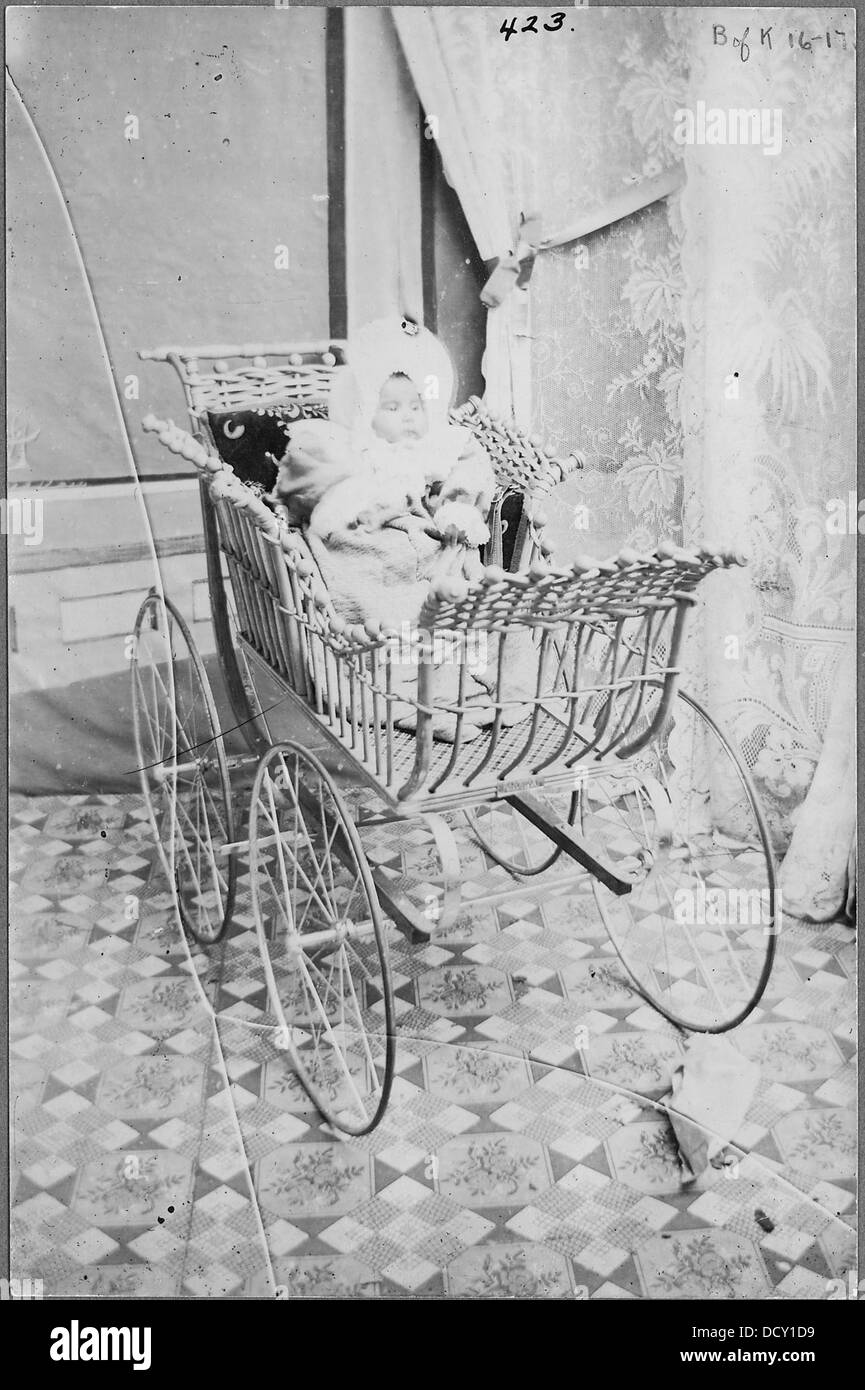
(329, 846)
(277, 901)
(173, 710)
(280, 854)
(194, 870)
(201, 845)
(155, 753)
(167, 703)
(709, 968)
(298, 870)
(310, 888)
(302, 821)
(364, 1039)
(215, 811)
(338, 1052)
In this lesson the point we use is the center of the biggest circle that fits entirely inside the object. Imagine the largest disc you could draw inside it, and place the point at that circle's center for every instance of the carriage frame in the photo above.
(604, 643)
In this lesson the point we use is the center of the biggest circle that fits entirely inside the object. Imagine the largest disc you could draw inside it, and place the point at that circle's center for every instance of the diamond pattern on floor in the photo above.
(523, 1154)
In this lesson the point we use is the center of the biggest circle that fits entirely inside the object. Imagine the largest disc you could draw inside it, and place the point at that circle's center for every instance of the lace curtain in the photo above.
(769, 422)
(699, 351)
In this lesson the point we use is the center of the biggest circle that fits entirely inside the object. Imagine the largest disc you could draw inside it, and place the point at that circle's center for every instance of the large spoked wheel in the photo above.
(682, 822)
(322, 939)
(514, 842)
(183, 768)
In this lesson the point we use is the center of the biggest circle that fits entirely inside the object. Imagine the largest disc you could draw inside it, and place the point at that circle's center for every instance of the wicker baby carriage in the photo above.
(605, 764)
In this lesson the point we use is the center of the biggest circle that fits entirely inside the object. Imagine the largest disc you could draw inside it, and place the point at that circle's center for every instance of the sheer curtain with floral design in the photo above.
(698, 351)
(768, 410)
(524, 125)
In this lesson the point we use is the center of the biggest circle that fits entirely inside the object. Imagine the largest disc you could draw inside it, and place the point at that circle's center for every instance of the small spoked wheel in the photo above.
(183, 768)
(322, 939)
(681, 821)
(514, 842)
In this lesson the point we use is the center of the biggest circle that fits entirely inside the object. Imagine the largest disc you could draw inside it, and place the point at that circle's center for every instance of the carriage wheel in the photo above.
(322, 939)
(681, 820)
(183, 768)
(514, 842)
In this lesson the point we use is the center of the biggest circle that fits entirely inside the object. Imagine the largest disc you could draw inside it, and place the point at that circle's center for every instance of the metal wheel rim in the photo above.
(310, 980)
(512, 865)
(606, 900)
(165, 804)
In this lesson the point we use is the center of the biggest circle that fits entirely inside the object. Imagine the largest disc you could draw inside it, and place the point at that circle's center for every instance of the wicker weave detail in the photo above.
(520, 463)
(272, 385)
(624, 587)
(605, 635)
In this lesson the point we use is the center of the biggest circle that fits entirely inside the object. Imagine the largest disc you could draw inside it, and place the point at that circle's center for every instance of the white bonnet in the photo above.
(378, 350)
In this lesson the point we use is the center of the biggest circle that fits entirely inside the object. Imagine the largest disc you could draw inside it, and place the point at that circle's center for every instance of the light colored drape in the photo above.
(699, 352)
(452, 57)
(769, 426)
(527, 125)
(818, 876)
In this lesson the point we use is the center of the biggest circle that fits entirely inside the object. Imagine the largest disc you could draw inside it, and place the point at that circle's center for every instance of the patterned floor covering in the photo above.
(160, 1152)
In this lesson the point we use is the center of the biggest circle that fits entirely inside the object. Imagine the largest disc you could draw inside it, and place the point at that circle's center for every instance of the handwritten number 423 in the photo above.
(509, 26)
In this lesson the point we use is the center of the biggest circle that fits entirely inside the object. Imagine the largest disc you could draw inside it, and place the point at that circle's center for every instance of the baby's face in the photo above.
(400, 413)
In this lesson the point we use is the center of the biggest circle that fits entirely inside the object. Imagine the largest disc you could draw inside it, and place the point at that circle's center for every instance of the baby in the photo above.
(379, 458)
(391, 479)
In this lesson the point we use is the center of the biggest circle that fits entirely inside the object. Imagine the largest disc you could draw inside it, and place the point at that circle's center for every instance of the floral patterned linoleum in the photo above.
(159, 1151)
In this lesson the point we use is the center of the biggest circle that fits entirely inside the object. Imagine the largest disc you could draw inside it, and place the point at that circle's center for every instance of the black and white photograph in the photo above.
(431, 522)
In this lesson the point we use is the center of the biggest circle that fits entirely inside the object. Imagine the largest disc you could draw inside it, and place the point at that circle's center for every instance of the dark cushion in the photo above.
(244, 438)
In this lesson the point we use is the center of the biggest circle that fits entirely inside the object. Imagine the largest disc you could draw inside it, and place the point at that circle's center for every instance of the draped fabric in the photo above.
(523, 124)
(453, 66)
(769, 425)
(606, 374)
(819, 872)
(699, 351)
(609, 340)
(532, 124)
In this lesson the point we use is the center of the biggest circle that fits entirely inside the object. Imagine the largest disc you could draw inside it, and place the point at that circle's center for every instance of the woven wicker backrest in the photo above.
(243, 377)
(239, 377)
